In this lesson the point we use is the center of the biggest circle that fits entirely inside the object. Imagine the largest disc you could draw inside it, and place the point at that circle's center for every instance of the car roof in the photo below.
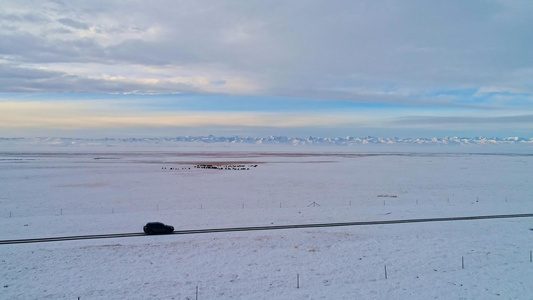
(155, 223)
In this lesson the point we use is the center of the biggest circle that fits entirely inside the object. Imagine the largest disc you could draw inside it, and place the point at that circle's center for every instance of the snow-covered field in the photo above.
(75, 191)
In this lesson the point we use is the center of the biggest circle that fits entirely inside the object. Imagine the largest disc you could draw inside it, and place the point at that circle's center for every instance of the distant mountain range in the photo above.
(281, 140)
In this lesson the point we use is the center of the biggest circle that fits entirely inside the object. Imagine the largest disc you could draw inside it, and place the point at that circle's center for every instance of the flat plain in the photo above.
(73, 192)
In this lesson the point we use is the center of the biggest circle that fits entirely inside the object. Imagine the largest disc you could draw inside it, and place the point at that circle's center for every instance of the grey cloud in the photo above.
(28, 48)
(16, 73)
(20, 79)
(73, 23)
(142, 52)
(303, 48)
(25, 17)
(493, 121)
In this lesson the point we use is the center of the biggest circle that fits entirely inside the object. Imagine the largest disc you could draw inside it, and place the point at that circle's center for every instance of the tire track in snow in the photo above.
(277, 227)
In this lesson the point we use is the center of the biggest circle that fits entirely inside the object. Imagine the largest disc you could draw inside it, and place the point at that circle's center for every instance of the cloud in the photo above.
(362, 51)
(523, 121)
(99, 78)
(73, 23)
(99, 114)
(17, 73)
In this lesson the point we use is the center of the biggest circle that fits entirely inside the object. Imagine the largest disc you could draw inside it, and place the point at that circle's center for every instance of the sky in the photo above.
(414, 68)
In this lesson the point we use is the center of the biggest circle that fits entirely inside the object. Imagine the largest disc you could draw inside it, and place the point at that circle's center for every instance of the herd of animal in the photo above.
(235, 167)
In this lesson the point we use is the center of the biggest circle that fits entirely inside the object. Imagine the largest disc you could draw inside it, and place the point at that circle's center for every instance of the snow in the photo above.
(51, 191)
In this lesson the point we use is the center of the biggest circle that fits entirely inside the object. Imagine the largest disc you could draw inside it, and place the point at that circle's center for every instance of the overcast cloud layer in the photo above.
(472, 54)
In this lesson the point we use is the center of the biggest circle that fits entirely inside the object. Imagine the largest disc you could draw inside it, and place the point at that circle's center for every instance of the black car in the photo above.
(157, 228)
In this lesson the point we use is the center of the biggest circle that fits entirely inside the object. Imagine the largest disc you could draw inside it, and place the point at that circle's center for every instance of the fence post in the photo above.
(297, 280)
(386, 272)
(462, 262)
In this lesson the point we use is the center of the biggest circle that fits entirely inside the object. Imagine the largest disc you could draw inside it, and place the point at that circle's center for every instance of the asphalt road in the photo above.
(214, 230)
